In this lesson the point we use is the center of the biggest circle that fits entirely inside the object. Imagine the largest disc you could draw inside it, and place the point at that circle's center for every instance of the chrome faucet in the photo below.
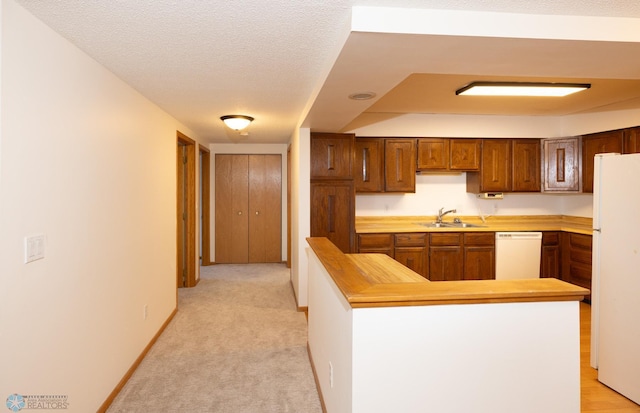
(441, 214)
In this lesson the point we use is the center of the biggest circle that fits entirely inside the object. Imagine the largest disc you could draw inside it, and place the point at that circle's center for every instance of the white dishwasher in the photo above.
(518, 255)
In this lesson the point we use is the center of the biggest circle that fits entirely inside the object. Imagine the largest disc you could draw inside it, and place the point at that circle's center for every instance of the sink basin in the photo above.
(449, 225)
(434, 224)
(464, 225)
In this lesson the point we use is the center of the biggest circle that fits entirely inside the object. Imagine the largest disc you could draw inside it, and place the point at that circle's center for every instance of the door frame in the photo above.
(205, 205)
(189, 249)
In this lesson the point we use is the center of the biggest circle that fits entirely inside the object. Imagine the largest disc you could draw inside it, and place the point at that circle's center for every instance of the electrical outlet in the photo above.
(330, 375)
(144, 312)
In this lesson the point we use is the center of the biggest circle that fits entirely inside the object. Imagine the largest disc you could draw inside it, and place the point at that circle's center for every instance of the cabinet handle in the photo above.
(365, 164)
(239, 212)
(257, 213)
(331, 157)
(560, 164)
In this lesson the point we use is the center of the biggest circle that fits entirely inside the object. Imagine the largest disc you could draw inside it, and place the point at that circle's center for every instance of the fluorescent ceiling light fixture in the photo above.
(521, 89)
(236, 122)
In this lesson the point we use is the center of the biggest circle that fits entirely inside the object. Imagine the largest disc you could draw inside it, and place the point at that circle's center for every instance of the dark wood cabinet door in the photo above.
(412, 257)
(576, 259)
(593, 144)
(433, 154)
(332, 212)
(232, 201)
(561, 164)
(464, 154)
(526, 165)
(400, 165)
(631, 142)
(479, 263)
(495, 169)
(550, 255)
(331, 155)
(445, 263)
(368, 172)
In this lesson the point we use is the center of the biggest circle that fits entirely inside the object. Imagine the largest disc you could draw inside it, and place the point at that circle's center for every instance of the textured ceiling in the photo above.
(199, 60)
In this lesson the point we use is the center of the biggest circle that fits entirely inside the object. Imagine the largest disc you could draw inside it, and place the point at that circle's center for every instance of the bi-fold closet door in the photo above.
(248, 208)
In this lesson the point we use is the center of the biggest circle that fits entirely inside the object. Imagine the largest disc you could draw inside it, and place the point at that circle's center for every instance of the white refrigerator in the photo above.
(615, 295)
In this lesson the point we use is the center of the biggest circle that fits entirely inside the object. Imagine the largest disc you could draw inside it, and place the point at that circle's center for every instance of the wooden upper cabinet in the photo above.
(631, 143)
(331, 155)
(593, 144)
(400, 165)
(464, 154)
(444, 154)
(526, 165)
(433, 154)
(561, 167)
(368, 171)
(495, 168)
(507, 165)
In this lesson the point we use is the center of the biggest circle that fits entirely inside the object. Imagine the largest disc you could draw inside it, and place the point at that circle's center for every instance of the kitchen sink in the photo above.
(449, 225)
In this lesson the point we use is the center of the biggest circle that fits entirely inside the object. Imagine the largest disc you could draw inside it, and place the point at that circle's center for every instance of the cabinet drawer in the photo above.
(479, 238)
(411, 240)
(454, 238)
(580, 241)
(375, 241)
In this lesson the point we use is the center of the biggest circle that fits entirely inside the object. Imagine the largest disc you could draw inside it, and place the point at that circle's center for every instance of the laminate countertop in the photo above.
(376, 280)
(399, 224)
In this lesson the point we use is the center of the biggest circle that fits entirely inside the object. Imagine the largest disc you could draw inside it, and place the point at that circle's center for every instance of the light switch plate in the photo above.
(33, 248)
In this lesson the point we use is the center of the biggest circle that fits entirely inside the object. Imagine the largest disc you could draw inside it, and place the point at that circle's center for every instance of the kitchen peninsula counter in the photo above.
(376, 280)
(381, 338)
(398, 224)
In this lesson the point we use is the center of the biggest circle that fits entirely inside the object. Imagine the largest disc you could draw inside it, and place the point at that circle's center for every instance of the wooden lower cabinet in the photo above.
(550, 255)
(408, 249)
(446, 256)
(576, 259)
(479, 256)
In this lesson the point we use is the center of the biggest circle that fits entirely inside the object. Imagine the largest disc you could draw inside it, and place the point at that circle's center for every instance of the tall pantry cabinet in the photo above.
(248, 208)
(332, 189)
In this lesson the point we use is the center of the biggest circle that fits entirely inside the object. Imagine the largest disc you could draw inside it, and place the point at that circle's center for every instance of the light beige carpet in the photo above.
(237, 344)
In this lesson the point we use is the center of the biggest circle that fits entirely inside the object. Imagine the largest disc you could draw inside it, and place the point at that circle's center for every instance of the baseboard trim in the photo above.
(315, 378)
(134, 366)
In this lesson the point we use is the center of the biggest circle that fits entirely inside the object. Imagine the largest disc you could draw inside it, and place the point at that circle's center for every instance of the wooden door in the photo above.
(232, 207)
(265, 206)
(526, 165)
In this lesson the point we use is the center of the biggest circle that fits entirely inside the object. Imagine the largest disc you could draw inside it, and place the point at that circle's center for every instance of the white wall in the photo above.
(90, 163)
(300, 211)
(239, 148)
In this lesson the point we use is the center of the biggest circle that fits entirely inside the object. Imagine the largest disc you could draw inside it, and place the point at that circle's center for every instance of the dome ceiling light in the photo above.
(236, 122)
